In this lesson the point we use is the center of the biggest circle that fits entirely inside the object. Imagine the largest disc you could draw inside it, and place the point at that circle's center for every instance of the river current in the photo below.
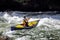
(48, 27)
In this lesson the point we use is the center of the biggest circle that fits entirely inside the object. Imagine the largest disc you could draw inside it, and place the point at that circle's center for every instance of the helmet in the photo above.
(24, 16)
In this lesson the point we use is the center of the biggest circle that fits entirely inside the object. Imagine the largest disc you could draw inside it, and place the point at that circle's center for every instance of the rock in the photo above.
(4, 38)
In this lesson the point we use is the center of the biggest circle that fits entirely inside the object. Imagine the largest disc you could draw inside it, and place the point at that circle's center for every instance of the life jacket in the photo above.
(25, 22)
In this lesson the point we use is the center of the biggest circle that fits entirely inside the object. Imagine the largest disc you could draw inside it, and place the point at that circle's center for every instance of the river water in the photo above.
(48, 28)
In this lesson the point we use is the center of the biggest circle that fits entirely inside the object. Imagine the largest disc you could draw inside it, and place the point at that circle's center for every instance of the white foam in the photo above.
(11, 19)
(51, 23)
(16, 19)
(22, 38)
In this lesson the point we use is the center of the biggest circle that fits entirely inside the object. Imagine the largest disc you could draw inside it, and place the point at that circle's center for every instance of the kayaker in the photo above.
(25, 21)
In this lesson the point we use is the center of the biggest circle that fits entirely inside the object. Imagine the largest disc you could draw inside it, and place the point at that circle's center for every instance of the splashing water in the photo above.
(48, 25)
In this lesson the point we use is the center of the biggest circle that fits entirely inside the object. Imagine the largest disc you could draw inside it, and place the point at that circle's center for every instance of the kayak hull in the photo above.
(14, 28)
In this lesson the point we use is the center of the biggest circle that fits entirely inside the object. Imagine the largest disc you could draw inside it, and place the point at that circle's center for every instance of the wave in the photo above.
(48, 24)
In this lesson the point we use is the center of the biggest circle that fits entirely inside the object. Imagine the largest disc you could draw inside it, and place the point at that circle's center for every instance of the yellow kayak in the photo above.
(21, 26)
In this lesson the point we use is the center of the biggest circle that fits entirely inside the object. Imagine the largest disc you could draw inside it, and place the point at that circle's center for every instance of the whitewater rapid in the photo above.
(46, 23)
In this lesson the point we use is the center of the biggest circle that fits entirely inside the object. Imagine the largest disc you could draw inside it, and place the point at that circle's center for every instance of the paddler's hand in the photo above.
(28, 18)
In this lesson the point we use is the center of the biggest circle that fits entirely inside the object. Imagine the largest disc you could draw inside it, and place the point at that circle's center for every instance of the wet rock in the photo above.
(4, 38)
